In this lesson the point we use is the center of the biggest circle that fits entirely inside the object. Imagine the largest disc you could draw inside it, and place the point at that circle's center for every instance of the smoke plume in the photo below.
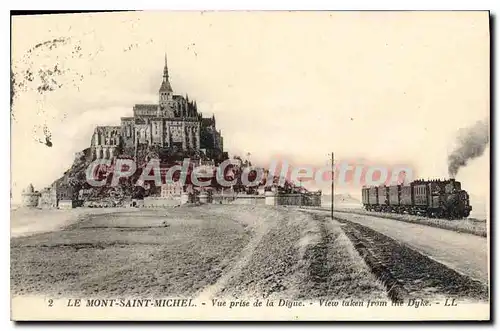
(471, 143)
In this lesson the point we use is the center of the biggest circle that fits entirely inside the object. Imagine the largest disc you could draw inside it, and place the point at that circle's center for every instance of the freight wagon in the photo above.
(431, 198)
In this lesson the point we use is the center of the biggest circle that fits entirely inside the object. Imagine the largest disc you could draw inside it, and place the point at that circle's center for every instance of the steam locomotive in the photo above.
(431, 198)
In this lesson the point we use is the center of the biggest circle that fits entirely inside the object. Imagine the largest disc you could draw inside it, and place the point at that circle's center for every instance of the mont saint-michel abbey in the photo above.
(174, 124)
(171, 131)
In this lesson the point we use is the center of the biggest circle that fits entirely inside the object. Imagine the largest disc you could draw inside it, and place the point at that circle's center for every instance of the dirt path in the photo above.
(214, 290)
(465, 253)
(333, 267)
(407, 272)
(299, 257)
(478, 227)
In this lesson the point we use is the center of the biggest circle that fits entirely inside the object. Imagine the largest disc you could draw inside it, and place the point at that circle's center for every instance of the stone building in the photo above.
(48, 199)
(30, 197)
(105, 142)
(174, 122)
(51, 196)
(171, 190)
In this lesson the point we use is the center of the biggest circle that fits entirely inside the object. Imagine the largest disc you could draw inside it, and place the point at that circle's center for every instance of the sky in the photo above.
(387, 87)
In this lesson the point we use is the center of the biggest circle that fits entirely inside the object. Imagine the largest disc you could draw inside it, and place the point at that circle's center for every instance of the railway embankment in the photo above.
(468, 225)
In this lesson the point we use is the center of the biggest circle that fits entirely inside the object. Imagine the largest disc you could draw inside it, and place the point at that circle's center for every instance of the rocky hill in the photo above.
(74, 181)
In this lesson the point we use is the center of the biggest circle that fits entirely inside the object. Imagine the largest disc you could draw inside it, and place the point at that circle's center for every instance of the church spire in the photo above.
(165, 84)
(165, 69)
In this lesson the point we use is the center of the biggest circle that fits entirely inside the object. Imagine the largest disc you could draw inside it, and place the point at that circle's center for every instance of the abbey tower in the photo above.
(174, 123)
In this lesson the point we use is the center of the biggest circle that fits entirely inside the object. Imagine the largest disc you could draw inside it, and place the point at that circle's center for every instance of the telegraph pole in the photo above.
(333, 191)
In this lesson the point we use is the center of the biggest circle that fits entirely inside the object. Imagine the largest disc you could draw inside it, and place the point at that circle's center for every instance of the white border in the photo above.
(195, 5)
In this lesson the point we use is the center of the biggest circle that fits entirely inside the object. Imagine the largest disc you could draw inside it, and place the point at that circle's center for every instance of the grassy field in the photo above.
(204, 251)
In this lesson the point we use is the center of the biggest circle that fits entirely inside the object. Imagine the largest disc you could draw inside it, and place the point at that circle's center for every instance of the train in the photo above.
(431, 198)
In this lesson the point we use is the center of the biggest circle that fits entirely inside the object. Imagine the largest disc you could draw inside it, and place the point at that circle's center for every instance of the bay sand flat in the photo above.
(29, 221)
(201, 252)
(236, 251)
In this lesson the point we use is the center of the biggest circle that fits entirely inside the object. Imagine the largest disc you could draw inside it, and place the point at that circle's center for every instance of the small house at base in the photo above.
(66, 204)
(139, 203)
